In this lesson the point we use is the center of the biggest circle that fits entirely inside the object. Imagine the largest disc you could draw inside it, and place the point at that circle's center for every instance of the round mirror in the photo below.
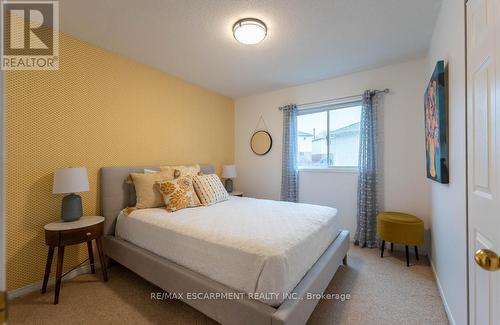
(261, 142)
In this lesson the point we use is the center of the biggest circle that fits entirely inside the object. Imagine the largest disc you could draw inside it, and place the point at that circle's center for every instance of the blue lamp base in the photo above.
(229, 185)
(71, 209)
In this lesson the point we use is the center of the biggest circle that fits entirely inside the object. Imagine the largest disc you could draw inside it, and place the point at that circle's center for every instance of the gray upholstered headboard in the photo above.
(115, 192)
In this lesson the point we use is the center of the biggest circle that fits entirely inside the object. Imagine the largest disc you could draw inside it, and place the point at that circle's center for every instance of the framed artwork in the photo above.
(436, 127)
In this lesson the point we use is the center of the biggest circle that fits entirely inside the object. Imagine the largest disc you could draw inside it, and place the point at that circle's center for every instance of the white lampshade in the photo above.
(70, 180)
(228, 171)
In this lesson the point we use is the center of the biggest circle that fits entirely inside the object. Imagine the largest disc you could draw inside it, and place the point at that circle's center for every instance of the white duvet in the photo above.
(255, 246)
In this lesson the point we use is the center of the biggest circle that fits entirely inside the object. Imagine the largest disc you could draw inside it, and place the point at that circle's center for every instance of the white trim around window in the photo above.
(326, 108)
(334, 169)
(327, 105)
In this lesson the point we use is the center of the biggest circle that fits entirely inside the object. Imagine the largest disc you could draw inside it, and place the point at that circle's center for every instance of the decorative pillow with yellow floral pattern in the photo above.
(179, 194)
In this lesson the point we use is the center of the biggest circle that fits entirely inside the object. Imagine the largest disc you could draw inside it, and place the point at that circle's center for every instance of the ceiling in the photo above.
(307, 40)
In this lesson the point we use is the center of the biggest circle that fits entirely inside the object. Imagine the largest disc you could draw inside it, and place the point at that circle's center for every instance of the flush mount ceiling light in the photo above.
(249, 30)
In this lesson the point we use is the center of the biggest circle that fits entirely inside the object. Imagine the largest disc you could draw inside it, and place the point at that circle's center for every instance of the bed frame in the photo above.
(174, 278)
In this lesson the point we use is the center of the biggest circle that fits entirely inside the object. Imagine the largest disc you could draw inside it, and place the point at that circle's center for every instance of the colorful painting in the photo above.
(436, 127)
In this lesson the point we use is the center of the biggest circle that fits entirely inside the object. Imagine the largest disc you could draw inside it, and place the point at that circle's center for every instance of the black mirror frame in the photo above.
(270, 145)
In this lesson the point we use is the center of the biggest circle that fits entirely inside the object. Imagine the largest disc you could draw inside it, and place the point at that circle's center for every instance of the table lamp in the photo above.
(70, 181)
(229, 172)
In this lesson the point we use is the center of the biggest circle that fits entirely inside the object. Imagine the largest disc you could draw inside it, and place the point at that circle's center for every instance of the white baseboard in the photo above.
(441, 293)
(37, 286)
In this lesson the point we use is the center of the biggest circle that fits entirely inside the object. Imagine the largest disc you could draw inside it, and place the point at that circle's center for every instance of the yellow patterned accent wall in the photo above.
(100, 109)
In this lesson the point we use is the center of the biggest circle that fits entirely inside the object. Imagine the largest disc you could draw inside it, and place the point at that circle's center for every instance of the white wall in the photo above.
(402, 119)
(448, 209)
(336, 190)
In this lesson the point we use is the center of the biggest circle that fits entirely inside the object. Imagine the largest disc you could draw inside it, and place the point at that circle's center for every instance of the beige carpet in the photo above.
(383, 291)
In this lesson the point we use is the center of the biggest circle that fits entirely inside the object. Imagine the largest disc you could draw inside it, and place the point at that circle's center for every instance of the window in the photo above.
(329, 136)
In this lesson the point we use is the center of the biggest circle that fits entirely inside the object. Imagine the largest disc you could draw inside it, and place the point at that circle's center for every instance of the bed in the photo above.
(277, 251)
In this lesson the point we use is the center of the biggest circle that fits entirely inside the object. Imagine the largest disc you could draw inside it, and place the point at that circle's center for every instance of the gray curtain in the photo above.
(289, 171)
(366, 232)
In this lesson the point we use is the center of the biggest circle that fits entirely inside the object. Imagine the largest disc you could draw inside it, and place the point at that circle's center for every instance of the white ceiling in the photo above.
(307, 40)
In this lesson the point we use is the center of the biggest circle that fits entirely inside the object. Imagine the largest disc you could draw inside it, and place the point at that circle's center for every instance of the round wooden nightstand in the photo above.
(60, 234)
(236, 193)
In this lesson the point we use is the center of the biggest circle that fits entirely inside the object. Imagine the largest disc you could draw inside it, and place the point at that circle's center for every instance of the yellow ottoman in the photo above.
(400, 228)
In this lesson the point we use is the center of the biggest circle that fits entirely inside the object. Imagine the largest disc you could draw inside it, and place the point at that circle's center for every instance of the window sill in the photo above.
(351, 170)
